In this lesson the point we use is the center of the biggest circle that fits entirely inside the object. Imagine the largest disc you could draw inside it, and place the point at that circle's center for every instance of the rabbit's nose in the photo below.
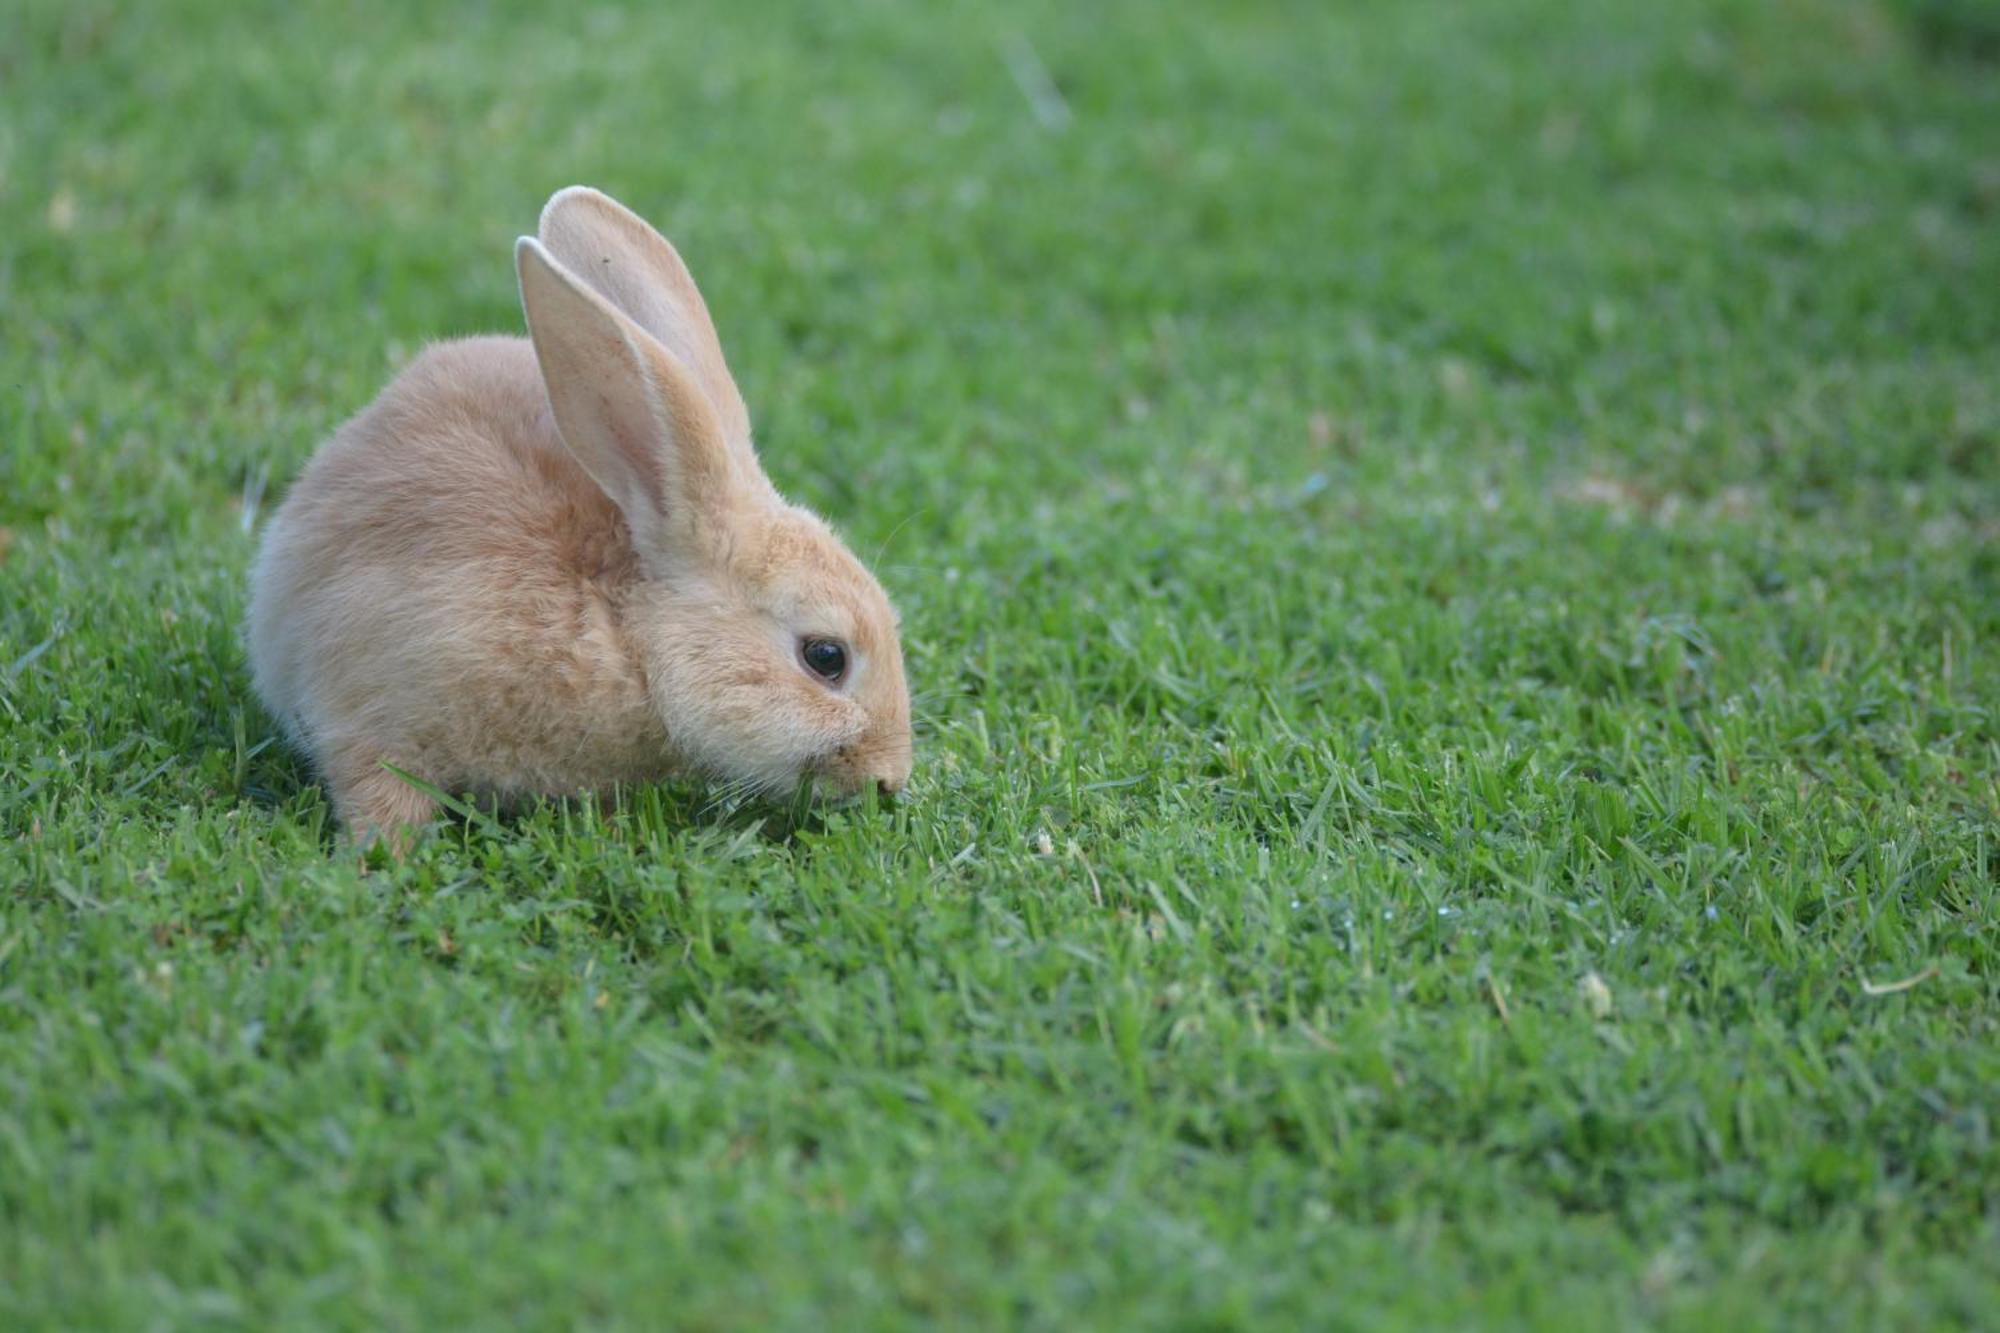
(887, 788)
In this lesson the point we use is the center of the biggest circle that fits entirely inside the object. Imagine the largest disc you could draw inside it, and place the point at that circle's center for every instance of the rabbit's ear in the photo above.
(632, 266)
(627, 408)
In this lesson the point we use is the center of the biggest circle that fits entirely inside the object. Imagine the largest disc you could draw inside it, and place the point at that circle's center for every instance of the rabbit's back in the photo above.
(443, 588)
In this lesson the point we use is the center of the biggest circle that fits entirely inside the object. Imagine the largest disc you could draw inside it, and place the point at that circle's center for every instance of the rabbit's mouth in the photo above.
(813, 792)
(831, 787)
(837, 780)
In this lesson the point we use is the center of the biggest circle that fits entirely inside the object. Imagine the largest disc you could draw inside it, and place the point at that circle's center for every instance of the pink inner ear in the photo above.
(640, 442)
(638, 271)
(598, 388)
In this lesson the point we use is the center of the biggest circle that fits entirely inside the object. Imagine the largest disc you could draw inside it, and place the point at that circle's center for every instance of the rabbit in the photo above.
(554, 565)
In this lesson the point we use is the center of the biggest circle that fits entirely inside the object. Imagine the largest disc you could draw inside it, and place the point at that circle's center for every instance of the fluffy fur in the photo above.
(552, 565)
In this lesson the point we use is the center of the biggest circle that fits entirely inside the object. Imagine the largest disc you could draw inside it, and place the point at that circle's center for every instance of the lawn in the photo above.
(1450, 564)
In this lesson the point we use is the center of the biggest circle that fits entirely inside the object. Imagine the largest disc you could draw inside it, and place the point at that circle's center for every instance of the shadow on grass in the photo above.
(272, 775)
(652, 813)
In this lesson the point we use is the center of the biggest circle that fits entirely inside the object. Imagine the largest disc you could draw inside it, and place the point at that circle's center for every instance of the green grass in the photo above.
(1451, 563)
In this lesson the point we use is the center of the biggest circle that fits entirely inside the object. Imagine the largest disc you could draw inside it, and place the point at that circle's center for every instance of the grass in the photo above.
(1449, 562)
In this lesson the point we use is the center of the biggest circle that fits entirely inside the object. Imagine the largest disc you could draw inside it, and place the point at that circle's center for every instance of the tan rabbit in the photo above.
(551, 565)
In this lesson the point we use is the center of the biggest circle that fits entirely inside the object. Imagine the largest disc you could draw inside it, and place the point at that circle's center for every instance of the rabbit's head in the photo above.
(770, 652)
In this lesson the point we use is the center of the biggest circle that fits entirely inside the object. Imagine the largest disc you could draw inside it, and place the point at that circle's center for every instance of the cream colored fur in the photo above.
(555, 565)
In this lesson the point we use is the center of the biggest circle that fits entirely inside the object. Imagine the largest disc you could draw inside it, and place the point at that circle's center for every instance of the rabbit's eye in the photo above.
(825, 658)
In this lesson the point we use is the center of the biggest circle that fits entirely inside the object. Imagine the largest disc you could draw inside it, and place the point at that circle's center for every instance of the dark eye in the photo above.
(825, 658)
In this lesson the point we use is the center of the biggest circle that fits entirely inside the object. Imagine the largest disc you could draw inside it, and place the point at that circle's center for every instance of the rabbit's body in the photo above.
(554, 567)
(477, 637)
